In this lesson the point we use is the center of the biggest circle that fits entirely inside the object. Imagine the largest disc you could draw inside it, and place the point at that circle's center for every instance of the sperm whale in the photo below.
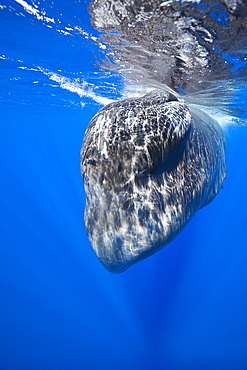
(148, 164)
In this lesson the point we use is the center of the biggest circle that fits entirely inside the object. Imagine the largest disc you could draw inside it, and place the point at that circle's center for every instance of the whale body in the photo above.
(148, 164)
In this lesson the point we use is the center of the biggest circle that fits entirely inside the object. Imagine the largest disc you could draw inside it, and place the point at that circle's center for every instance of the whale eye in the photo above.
(148, 165)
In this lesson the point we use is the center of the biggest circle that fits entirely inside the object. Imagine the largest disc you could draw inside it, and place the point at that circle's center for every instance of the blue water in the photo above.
(183, 308)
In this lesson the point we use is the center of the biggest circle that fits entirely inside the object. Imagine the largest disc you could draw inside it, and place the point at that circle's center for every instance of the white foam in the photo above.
(31, 10)
(80, 87)
(224, 119)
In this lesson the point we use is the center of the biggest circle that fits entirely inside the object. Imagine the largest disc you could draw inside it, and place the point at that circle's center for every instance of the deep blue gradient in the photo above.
(184, 308)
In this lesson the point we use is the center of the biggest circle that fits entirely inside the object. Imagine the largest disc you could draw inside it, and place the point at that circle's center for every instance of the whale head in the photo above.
(148, 164)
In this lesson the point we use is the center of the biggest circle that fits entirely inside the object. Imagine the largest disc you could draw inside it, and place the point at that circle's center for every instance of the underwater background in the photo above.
(183, 308)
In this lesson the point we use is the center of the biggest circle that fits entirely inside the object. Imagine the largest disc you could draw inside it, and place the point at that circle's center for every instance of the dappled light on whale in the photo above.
(148, 165)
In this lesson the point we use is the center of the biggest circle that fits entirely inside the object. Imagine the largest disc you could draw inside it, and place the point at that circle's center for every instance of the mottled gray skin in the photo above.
(148, 165)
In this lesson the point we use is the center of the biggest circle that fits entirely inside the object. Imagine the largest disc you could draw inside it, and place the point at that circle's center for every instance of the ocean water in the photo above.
(183, 308)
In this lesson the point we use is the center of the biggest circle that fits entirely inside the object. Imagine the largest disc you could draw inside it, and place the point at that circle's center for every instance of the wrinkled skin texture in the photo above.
(148, 165)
